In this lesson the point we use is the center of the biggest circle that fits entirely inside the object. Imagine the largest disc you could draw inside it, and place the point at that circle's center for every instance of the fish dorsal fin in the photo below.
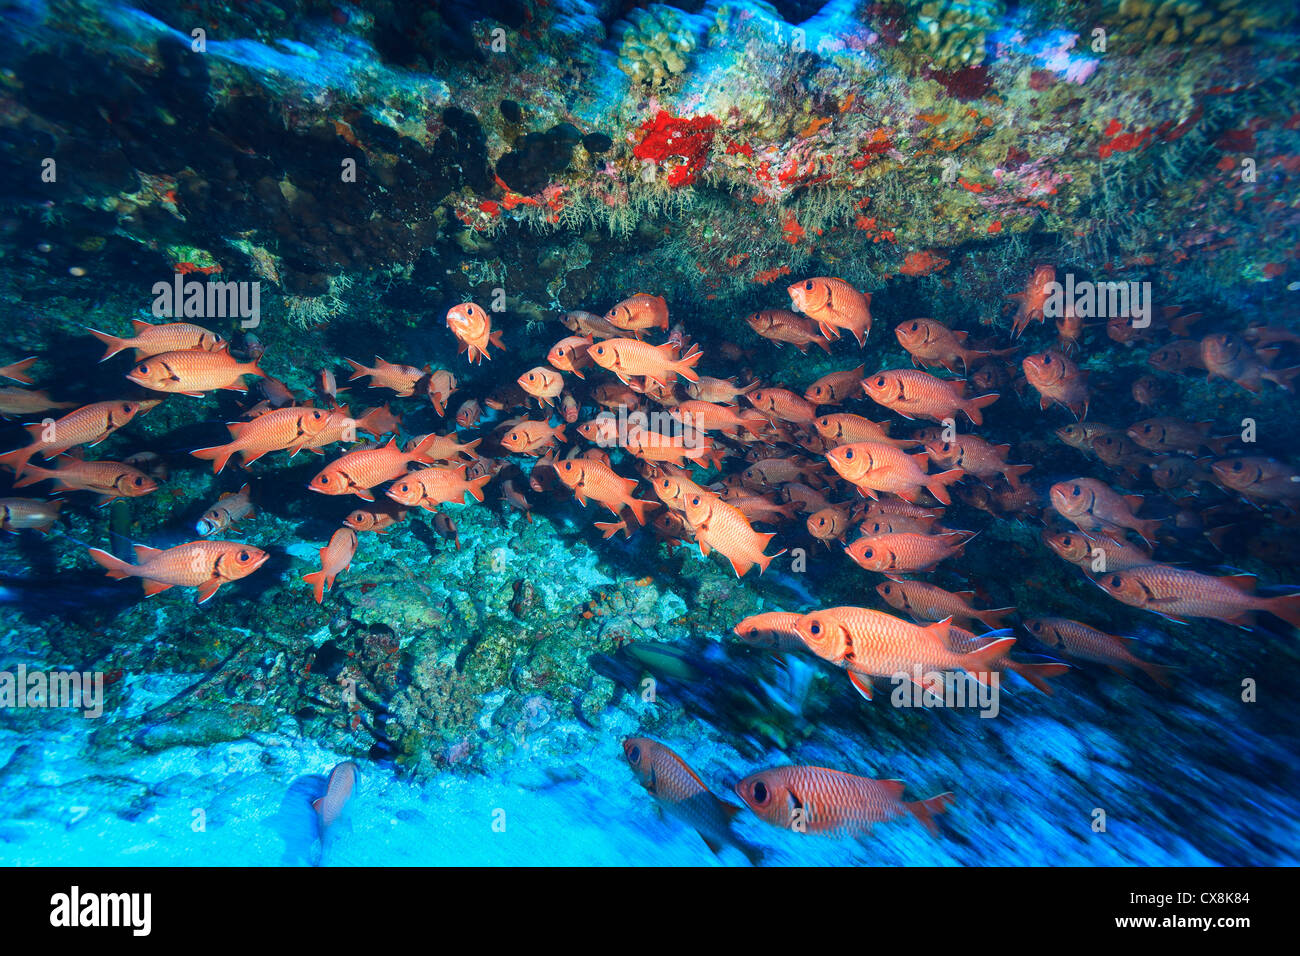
(139, 325)
(922, 460)
(895, 788)
(939, 631)
(965, 595)
(144, 553)
(1133, 501)
(1242, 582)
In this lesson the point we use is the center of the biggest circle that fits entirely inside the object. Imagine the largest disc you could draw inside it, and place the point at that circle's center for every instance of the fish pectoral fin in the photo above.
(208, 588)
(861, 683)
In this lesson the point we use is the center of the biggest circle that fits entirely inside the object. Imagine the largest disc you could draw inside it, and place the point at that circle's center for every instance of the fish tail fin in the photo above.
(640, 508)
(219, 455)
(981, 662)
(421, 451)
(1285, 377)
(927, 810)
(763, 560)
(1159, 673)
(1038, 673)
(317, 580)
(117, 568)
(685, 366)
(1147, 530)
(31, 474)
(476, 486)
(113, 343)
(1287, 607)
(972, 406)
(358, 370)
(1013, 473)
(938, 484)
(992, 619)
(18, 458)
(252, 368)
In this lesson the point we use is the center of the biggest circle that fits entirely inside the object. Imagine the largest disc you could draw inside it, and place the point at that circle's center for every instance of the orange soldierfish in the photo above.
(589, 323)
(835, 388)
(593, 480)
(1179, 594)
(1058, 380)
(1032, 300)
(473, 330)
(834, 305)
(874, 466)
(108, 479)
(630, 358)
(378, 518)
(1081, 642)
(401, 379)
(532, 438)
(915, 394)
(282, 429)
(156, 339)
(773, 629)
(231, 507)
(444, 447)
(682, 793)
(783, 405)
(928, 602)
(356, 472)
(88, 425)
(1096, 554)
(900, 552)
(543, 384)
(1166, 434)
(17, 372)
(570, 354)
(1230, 357)
(442, 383)
(639, 313)
(845, 429)
(875, 644)
(975, 456)
(931, 343)
(343, 782)
(1176, 356)
(831, 523)
(335, 558)
(17, 402)
(708, 417)
(1092, 506)
(831, 802)
(1259, 479)
(194, 372)
(430, 487)
(782, 327)
(1037, 674)
(722, 527)
(205, 565)
(17, 514)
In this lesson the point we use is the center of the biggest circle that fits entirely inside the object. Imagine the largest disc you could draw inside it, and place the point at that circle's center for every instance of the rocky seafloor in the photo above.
(712, 153)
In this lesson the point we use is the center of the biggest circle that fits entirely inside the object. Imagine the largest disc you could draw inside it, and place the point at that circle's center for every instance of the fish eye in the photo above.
(808, 286)
(868, 553)
(1116, 581)
(243, 555)
(531, 376)
(915, 326)
(323, 479)
(848, 454)
(126, 406)
(139, 481)
(634, 755)
(1036, 627)
(568, 466)
(142, 369)
(821, 522)
(761, 794)
(695, 500)
(814, 628)
(887, 589)
(1067, 540)
(880, 381)
(1076, 491)
(1236, 466)
(469, 310)
(1047, 359)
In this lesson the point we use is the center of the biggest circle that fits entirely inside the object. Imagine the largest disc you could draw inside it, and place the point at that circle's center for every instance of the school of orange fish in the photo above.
(881, 497)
